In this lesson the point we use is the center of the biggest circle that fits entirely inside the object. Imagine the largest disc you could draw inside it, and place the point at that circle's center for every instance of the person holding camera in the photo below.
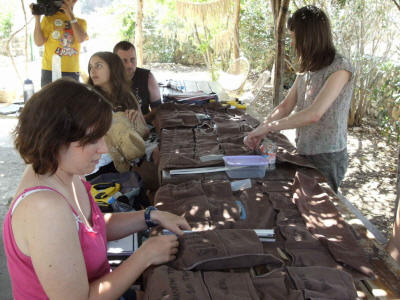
(61, 33)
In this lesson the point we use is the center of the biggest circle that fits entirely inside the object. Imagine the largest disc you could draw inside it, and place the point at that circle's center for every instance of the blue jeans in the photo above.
(46, 76)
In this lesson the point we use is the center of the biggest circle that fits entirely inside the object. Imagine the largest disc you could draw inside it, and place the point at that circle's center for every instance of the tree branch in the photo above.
(397, 4)
(9, 49)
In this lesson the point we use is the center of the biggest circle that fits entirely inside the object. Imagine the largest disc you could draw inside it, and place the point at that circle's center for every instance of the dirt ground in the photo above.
(370, 182)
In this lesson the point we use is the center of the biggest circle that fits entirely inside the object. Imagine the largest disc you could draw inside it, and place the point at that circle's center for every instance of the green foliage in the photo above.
(365, 31)
(256, 34)
(387, 98)
(128, 25)
(5, 25)
(161, 39)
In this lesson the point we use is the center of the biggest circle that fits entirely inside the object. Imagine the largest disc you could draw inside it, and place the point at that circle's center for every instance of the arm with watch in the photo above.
(123, 224)
(154, 251)
(79, 32)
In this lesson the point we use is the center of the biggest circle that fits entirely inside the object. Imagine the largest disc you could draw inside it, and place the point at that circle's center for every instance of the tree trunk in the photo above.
(352, 112)
(275, 5)
(139, 33)
(26, 37)
(280, 48)
(203, 53)
(10, 54)
(236, 30)
(397, 4)
(398, 185)
(361, 98)
(393, 247)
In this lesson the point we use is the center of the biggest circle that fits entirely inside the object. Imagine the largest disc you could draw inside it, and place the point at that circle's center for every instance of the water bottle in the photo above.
(56, 67)
(271, 150)
(28, 90)
(268, 149)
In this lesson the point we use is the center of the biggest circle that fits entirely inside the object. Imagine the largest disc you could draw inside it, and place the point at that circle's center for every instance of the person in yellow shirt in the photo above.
(61, 34)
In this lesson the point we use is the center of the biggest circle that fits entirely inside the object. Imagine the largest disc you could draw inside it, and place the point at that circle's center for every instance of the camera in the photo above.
(46, 7)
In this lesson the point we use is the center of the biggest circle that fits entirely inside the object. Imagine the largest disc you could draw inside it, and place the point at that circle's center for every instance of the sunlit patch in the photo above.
(370, 235)
(361, 295)
(235, 118)
(330, 222)
(193, 211)
(379, 293)
(202, 227)
(334, 239)
(330, 215)
(104, 286)
(226, 214)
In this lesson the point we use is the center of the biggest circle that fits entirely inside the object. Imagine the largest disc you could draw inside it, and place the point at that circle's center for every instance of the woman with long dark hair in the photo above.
(107, 74)
(318, 103)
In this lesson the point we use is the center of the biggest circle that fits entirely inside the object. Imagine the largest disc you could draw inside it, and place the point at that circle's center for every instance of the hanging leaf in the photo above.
(209, 11)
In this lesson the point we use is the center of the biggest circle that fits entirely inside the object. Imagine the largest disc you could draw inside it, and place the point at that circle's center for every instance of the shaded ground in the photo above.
(370, 182)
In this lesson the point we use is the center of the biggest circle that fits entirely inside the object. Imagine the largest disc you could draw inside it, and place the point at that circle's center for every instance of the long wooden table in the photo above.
(183, 133)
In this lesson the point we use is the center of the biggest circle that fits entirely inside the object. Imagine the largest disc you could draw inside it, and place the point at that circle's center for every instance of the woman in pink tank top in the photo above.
(55, 236)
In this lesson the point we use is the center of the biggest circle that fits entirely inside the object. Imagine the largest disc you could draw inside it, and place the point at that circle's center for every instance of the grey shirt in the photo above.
(329, 134)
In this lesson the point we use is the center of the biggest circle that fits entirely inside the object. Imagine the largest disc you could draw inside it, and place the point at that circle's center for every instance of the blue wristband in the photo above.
(147, 217)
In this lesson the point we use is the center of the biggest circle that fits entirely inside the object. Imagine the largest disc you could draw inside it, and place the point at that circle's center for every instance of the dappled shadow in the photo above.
(370, 182)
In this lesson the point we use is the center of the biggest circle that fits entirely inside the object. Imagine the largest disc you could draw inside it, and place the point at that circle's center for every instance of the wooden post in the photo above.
(236, 30)
(139, 33)
(398, 183)
(393, 247)
(280, 49)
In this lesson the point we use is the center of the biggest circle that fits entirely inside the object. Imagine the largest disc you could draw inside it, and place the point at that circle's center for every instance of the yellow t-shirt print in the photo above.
(61, 41)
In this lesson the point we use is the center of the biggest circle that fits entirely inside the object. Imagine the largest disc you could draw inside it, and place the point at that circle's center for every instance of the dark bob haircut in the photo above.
(62, 112)
(313, 38)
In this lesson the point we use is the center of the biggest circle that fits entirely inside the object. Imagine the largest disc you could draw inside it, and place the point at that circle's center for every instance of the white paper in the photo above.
(125, 246)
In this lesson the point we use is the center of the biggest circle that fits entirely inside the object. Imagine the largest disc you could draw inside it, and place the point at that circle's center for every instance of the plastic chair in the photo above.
(232, 81)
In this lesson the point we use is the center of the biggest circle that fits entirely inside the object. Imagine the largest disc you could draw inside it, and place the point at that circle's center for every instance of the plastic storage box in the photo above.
(245, 166)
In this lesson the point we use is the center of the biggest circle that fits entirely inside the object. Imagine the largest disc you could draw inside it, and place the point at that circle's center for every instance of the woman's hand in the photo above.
(132, 114)
(254, 138)
(160, 249)
(173, 223)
